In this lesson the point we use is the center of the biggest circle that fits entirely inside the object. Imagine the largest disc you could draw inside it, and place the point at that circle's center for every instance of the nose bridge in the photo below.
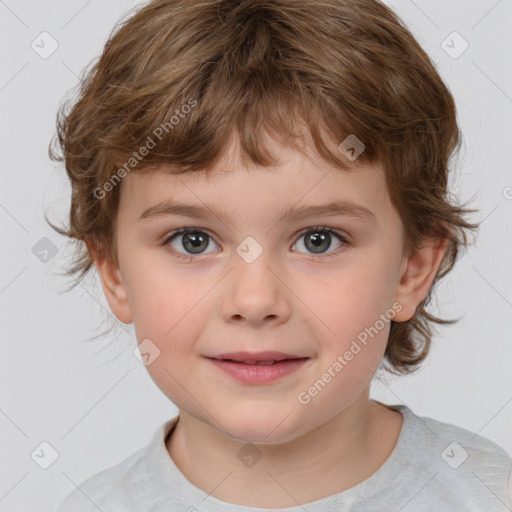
(255, 292)
(252, 265)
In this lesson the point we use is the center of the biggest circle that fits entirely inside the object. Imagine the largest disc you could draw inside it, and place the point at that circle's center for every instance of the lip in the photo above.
(254, 357)
(233, 364)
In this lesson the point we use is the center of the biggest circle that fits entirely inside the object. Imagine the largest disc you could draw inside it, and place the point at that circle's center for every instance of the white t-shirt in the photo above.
(434, 467)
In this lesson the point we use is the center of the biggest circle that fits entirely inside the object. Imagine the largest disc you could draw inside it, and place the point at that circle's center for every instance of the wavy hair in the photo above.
(339, 67)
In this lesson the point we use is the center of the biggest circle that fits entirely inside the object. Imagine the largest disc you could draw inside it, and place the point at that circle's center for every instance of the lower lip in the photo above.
(259, 374)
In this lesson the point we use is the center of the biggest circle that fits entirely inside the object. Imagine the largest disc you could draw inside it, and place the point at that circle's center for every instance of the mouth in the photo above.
(258, 368)
(268, 357)
(259, 363)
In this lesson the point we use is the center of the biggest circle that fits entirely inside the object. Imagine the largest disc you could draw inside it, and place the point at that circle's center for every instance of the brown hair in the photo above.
(177, 77)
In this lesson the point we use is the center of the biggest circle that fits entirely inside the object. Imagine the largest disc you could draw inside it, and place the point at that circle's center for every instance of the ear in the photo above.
(417, 274)
(112, 283)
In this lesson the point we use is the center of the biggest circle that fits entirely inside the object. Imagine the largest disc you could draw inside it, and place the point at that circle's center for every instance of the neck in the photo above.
(345, 450)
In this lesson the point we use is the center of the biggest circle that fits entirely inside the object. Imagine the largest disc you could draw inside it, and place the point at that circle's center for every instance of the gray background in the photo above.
(93, 401)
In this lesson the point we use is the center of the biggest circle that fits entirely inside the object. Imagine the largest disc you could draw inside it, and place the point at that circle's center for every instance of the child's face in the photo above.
(301, 296)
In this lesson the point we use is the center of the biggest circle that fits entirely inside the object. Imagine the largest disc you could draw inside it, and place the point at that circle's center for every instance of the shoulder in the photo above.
(463, 465)
(109, 487)
(460, 446)
(120, 487)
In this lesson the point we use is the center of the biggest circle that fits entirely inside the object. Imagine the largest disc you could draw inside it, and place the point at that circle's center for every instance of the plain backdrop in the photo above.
(92, 403)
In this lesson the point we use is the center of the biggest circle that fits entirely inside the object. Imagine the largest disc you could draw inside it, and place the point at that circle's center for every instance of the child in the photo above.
(266, 130)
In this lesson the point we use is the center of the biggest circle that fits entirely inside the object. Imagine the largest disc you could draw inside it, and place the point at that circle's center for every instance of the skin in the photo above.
(289, 299)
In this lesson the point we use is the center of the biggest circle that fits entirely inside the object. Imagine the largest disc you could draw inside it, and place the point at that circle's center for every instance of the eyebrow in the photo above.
(337, 208)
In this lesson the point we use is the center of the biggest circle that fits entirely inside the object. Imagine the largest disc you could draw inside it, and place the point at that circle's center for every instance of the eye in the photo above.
(319, 239)
(189, 242)
(193, 240)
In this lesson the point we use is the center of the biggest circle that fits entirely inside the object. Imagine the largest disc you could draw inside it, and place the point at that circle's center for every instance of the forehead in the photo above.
(298, 179)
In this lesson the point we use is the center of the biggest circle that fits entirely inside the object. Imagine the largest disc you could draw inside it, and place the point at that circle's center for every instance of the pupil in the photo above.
(317, 239)
(194, 240)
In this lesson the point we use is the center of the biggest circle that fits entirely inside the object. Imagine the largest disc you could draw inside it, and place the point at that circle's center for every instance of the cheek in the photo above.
(170, 316)
(162, 298)
(350, 300)
(353, 312)
(173, 318)
(170, 309)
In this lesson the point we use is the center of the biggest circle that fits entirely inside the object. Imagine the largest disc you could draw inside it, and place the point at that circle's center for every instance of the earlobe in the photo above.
(113, 285)
(417, 275)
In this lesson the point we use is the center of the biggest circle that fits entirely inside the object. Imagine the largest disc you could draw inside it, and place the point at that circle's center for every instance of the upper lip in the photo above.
(270, 355)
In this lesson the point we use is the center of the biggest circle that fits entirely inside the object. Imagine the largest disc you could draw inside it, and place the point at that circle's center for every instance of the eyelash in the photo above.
(322, 229)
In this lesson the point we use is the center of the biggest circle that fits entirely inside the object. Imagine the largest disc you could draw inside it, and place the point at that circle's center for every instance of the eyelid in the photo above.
(340, 233)
(187, 229)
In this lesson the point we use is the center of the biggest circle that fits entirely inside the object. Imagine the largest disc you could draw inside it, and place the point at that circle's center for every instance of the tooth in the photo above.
(266, 363)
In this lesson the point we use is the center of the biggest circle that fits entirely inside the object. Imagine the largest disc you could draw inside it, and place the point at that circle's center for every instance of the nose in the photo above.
(255, 293)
